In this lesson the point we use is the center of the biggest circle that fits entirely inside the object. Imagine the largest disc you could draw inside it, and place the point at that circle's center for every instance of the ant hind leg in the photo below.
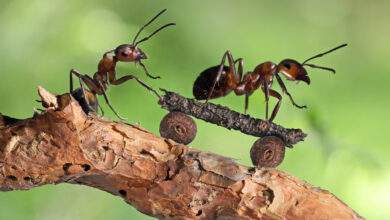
(232, 70)
(71, 73)
(92, 85)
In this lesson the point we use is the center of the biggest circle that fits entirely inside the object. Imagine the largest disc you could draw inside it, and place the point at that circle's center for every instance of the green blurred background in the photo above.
(346, 151)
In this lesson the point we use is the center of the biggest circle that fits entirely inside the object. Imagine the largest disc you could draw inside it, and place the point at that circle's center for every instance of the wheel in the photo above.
(267, 152)
(178, 127)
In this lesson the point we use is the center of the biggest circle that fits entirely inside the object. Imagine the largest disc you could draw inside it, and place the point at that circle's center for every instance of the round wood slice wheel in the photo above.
(267, 152)
(178, 127)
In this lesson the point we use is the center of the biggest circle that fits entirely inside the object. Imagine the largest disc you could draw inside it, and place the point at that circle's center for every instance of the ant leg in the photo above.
(284, 89)
(147, 72)
(265, 89)
(83, 91)
(277, 106)
(112, 108)
(240, 69)
(71, 73)
(147, 87)
(101, 109)
(232, 70)
(113, 81)
(238, 76)
(77, 74)
(246, 103)
(93, 86)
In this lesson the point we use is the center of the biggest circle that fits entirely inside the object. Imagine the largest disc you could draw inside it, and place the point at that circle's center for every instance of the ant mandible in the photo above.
(220, 80)
(106, 74)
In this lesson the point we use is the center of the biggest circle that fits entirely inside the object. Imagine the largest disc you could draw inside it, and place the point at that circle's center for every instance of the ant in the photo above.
(220, 80)
(106, 74)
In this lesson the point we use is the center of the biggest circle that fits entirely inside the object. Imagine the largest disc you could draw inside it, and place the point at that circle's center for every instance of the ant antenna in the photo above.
(320, 67)
(145, 25)
(155, 32)
(322, 54)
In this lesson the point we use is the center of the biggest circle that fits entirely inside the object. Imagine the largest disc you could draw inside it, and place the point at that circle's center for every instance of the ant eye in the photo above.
(287, 65)
(125, 54)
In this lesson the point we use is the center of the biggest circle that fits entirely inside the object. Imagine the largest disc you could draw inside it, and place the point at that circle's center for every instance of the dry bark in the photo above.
(158, 177)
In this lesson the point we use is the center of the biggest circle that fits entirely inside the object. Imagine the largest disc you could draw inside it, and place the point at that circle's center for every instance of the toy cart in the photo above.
(267, 151)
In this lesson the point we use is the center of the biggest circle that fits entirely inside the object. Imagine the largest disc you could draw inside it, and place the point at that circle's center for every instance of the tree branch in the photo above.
(158, 177)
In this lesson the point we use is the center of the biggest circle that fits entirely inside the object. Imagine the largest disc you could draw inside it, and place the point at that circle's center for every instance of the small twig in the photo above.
(224, 117)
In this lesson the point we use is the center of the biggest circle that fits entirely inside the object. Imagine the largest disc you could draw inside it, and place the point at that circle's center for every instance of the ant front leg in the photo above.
(232, 70)
(113, 81)
(284, 89)
(112, 108)
(147, 72)
(102, 92)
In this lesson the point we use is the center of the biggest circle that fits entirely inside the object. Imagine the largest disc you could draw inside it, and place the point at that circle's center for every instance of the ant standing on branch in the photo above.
(106, 74)
(220, 80)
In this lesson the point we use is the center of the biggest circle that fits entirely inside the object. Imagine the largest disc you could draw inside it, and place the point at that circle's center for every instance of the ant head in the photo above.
(129, 53)
(293, 70)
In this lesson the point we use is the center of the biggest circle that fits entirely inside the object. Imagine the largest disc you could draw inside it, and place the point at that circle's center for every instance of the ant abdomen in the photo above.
(204, 83)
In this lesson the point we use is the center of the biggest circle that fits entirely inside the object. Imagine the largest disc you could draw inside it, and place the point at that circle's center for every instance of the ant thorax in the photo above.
(107, 63)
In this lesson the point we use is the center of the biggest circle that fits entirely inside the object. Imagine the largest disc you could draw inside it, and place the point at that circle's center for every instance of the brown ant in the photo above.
(220, 80)
(106, 74)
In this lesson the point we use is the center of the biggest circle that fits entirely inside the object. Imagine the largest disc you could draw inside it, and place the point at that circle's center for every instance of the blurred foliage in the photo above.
(345, 151)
